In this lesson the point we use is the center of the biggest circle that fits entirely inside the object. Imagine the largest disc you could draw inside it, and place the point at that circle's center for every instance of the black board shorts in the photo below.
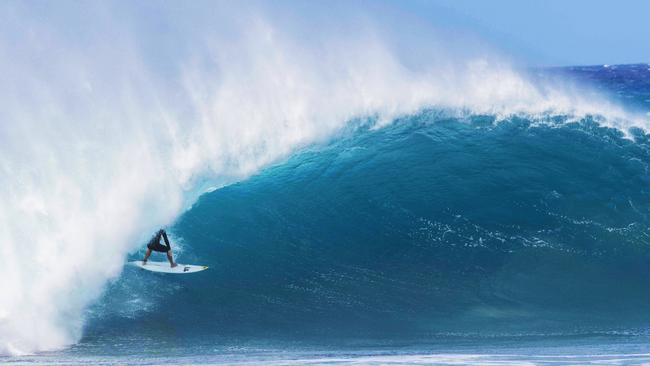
(157, 247)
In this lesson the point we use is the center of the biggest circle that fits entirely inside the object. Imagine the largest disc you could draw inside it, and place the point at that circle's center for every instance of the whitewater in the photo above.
(242, 109)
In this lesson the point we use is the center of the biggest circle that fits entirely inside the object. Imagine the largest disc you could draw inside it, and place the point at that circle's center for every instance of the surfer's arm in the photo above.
(164, 235)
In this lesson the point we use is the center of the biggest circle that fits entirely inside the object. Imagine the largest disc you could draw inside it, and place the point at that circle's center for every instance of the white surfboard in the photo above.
(165, 267)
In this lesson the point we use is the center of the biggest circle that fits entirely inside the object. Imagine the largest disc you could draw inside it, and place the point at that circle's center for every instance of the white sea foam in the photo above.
(111, 125)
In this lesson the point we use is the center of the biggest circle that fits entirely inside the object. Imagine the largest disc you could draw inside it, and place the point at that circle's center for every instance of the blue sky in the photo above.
(535, 32)
(550, 32)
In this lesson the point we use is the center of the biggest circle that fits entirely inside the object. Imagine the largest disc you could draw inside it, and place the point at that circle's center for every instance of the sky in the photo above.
(550, 32)
(535, 32)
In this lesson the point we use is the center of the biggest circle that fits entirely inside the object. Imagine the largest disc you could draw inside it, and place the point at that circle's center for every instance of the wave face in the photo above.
(110, 133)
(433, 224)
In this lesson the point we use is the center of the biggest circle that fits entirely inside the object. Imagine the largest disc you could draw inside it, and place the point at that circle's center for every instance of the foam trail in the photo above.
(107, 134)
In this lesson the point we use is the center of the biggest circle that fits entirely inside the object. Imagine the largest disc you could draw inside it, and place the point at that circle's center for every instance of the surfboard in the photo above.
(164, 267)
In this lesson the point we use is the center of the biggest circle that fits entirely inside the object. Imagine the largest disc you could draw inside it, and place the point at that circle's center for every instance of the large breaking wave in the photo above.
(431, 226)
(109, 133)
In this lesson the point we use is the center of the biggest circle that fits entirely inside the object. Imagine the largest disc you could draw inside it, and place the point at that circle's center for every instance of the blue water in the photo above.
(435, 239)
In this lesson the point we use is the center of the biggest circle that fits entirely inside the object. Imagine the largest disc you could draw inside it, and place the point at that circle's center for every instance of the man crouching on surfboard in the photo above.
(154, 244)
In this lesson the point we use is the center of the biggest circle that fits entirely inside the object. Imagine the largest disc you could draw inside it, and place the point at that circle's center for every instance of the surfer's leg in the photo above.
(171, 258)
(146, 256)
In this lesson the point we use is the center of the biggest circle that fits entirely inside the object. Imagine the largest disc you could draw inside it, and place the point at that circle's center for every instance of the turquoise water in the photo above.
(438, 239)
(444, 237)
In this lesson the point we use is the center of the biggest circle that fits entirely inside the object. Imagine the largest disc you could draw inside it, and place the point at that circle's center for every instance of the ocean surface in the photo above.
(440, 237)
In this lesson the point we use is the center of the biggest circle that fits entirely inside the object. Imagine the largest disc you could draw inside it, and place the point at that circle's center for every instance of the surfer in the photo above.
(154, 244)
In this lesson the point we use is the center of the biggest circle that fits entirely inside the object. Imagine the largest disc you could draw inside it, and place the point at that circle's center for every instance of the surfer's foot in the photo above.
(144, 262)
(174, 265)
